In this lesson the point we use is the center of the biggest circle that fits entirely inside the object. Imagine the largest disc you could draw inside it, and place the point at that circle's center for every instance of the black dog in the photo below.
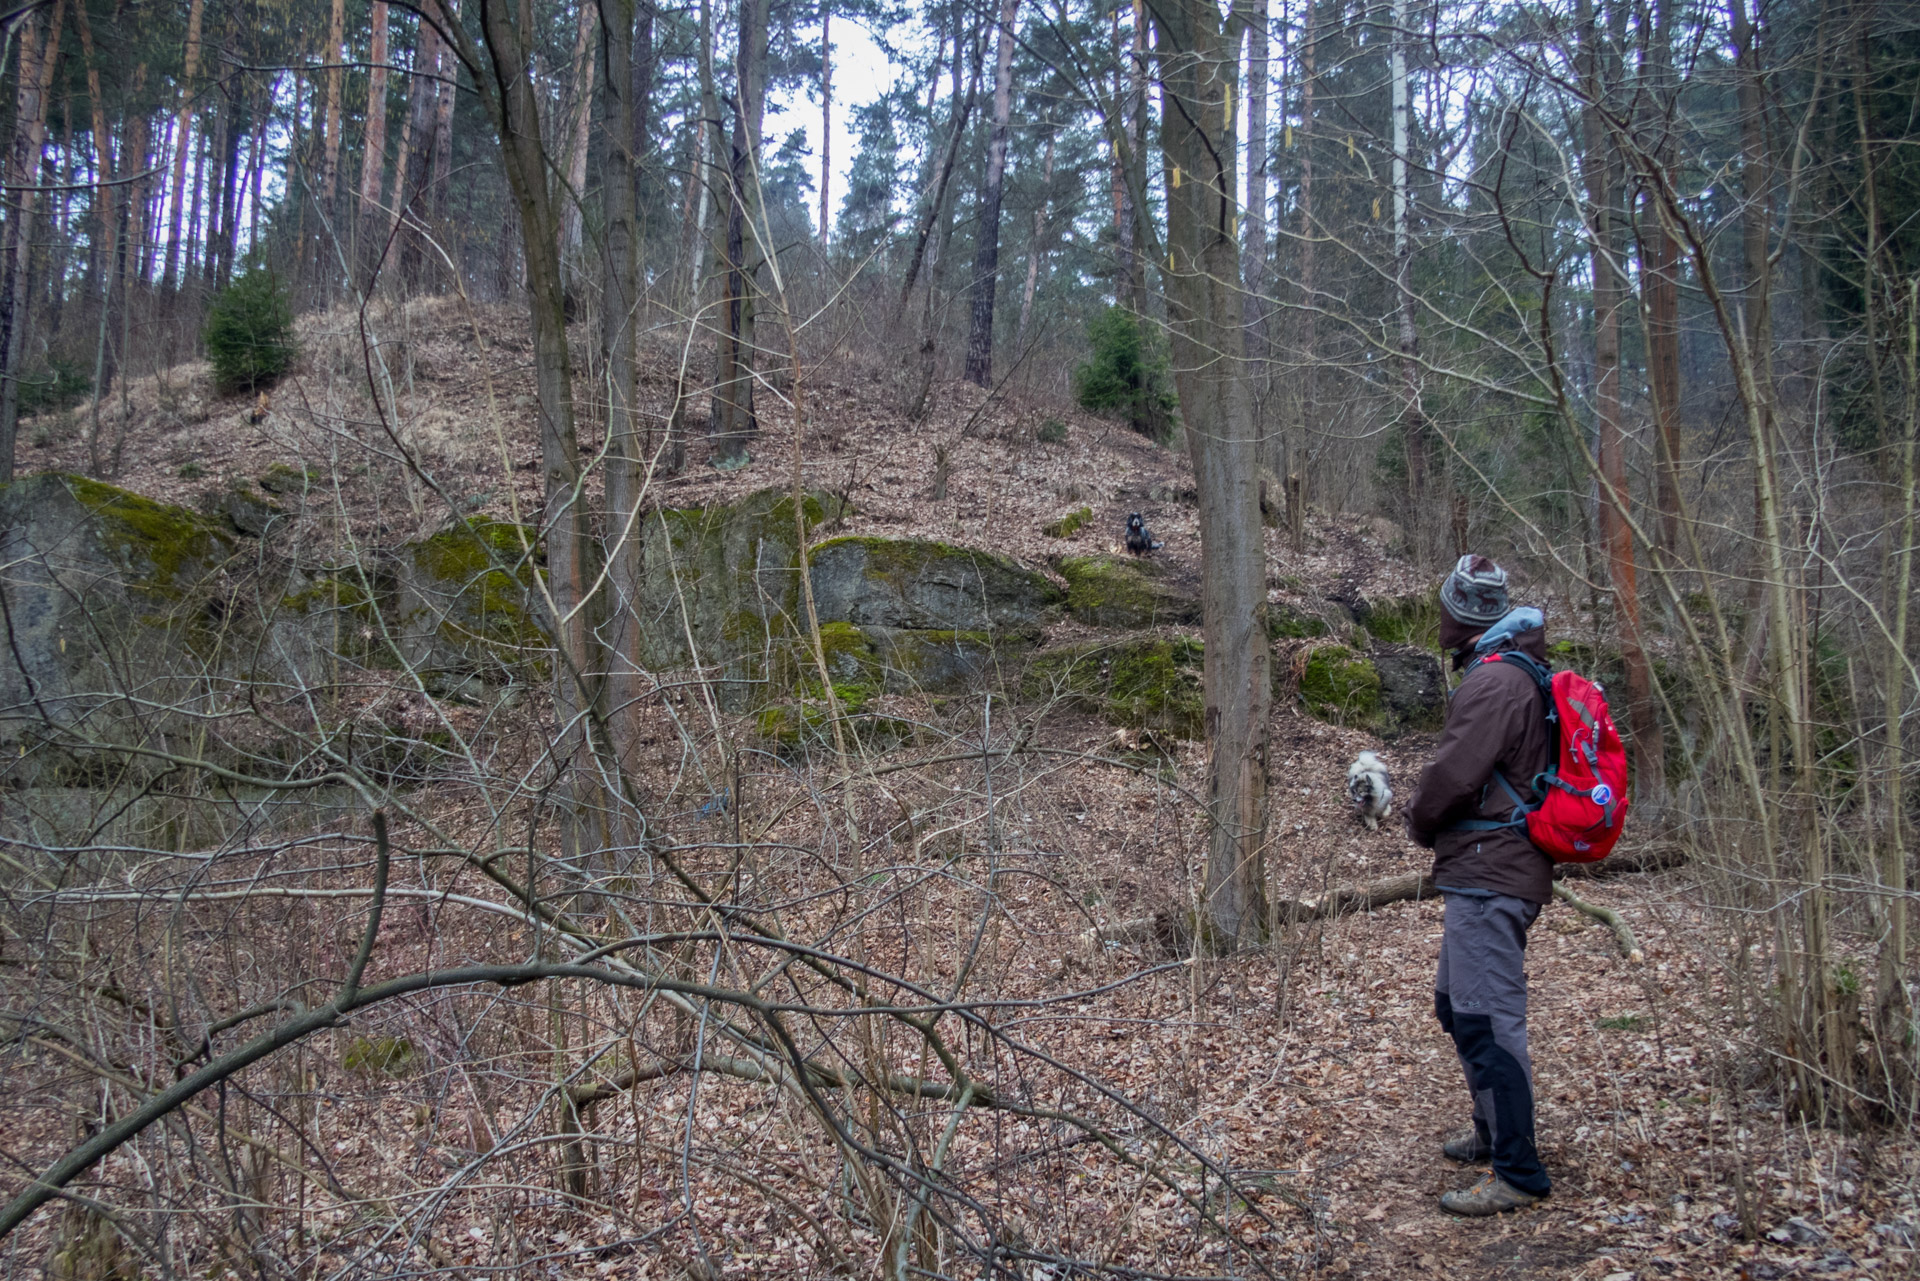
(1140, 540)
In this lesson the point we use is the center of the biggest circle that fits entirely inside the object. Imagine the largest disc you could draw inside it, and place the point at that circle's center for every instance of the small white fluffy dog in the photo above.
(1367, 785)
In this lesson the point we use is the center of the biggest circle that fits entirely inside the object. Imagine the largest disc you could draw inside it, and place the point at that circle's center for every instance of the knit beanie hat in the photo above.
(1475, 592)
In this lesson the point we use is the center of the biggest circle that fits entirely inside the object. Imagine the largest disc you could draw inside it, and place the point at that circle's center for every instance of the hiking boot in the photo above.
(1492, 1195)
(1467, 1147)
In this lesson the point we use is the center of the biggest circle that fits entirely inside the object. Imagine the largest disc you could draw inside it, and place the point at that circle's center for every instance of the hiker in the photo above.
(1492, 878)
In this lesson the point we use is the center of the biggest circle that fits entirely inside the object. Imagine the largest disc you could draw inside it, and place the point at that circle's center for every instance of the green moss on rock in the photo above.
(158, 541)
(1340, 686)
(279, 478)
(1068, 525)
(929, 585)
(488, 603)
(1156, 685)
(1287, 624)
(383, 1055)
(1106, 591)
(1402, 620)
(1144, 683)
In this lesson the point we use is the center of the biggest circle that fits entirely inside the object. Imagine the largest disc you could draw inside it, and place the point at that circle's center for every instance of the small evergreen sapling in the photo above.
(249, 333)
(1126, 373)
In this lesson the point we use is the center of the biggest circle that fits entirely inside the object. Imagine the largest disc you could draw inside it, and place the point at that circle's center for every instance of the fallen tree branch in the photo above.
(1173, 930)
(1622, 932)
(1355, 898)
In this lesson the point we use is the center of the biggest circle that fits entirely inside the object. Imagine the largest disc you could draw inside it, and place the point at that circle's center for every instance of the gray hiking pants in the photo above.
(1480, 997)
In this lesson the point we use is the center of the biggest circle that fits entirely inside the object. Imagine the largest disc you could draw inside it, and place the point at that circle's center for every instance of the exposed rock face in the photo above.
(462, 604)
(908, 583)
(1389, 689)
(1143, 682)
(720, 584)
(1413, 689)
(118, 608)
(110, 610)
(1107, 591)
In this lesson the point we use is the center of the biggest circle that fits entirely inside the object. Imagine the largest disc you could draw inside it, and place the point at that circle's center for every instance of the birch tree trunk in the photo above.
(986, 261)
(1203, 276)
(826, 116)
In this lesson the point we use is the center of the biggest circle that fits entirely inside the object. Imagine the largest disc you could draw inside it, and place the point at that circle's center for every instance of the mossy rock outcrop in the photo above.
(1068, 525)
(1389, 689)
(1143, 682)
(857, 673)
(1340, 686)
(113, 601)
(898, 660)
(719, 584)
(467, 604)
(928, 586)
(1287, 623)
(1401, 620)
(1109, 591)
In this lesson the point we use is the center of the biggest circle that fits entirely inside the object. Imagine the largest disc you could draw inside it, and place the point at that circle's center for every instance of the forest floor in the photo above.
(1313, 1070)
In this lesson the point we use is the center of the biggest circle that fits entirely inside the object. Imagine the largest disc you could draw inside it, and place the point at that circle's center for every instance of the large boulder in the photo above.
(1145, 682)
(719, 584)
(1413, 689)
(113, 609)
(1388, 689)
(1108, 591)
(465, 604)
(922, 585)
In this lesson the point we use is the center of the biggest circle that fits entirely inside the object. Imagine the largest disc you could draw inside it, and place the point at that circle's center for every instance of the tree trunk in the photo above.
(413, 166)
(444, 96)
(1660, 265)
(619, 329)
(986, 259)
(577, 119)
(106, 226)
(510, 99)
(336, 54)
(929, 220)
(230, 187)
(734, 423)
(1036, 249)
(1205, 317)
(1601, 166)
(1257, 229)
(1421, 493)
(38, 57)
(256, 162)
(1306, 402)
(182, 133)
(826, 116)
(372, 232)
(135, 159)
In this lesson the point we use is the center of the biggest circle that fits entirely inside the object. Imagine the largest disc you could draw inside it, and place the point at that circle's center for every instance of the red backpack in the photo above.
(1582, 803)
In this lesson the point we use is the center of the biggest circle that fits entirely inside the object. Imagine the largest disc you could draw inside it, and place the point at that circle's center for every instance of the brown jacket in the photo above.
(1497, 720)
